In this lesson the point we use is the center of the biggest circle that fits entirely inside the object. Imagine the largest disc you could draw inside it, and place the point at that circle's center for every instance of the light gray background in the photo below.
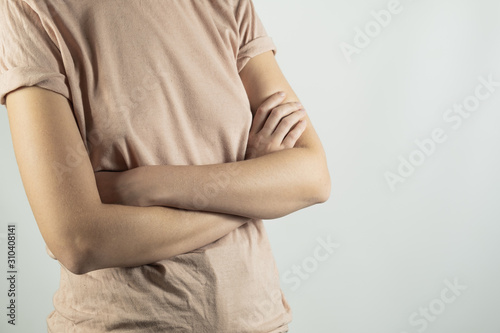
(395, 249)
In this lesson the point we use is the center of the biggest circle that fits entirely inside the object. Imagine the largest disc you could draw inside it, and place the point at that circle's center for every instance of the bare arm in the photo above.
(82, 232)
(266, 187)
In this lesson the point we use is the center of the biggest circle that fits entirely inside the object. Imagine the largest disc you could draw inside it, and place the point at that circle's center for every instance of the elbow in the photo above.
(80, 260)
(314, 191)
(321, 185)
(73, 253)
(323, 190)
(317, 181)
(75, 266)
(80, 263)
(74, 261)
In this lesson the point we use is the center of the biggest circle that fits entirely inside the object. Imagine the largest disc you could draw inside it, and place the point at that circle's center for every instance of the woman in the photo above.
(152, 139)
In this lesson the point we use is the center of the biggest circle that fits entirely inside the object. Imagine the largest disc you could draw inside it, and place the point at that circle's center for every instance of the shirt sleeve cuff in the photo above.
(253, 48)
(32, 76)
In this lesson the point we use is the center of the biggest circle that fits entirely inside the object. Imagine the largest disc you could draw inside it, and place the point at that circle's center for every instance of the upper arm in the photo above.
(262, 77)
(54, 166)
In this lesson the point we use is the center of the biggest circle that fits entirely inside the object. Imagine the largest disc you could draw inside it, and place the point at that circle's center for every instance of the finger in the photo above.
(277, 115)
(286, 124)
(292, 136)
(263, 110)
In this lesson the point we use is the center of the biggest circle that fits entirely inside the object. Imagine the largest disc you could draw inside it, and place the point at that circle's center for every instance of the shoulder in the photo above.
(231, 7)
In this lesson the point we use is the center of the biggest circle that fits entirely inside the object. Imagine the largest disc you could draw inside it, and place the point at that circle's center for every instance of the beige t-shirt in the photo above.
(153, 82)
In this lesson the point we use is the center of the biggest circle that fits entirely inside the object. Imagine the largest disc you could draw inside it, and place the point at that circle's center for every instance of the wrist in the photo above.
(151, 185)
(139, 187)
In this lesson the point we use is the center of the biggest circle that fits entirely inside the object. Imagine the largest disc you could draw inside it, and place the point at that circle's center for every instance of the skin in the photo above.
(86, 234)
(267, 135)
(284, 171)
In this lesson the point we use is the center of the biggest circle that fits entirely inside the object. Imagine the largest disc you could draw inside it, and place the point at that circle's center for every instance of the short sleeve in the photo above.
(253, 38)
(28, 56)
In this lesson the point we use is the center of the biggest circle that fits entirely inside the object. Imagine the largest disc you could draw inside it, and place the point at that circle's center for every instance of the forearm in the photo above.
(83, 233)
(266, 187)
(126, 236)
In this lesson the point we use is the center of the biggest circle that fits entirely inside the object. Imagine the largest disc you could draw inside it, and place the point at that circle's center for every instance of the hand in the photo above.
(119, 187)
(275, 126)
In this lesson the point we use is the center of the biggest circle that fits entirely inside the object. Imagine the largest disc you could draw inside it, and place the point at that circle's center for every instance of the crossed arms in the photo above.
(94, 221)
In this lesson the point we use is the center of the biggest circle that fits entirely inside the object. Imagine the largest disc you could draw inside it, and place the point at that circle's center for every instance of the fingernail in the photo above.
(298, 104)
(281, 93)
